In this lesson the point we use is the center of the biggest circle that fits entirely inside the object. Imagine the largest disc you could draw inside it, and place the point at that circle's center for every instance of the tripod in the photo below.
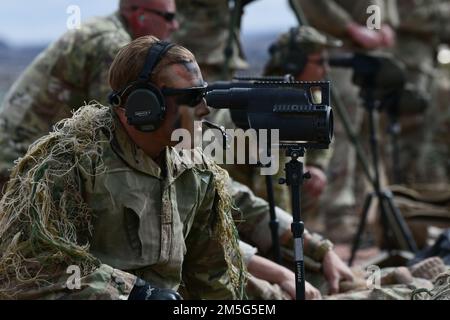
(395, 228)
(295, 176)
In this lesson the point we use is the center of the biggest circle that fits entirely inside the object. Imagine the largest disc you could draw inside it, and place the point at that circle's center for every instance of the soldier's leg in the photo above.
(338, 201)
(434, 163)
(414, 149)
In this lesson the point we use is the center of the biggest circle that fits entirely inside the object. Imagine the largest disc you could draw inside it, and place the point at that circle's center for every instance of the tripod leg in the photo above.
(361, 226)
(403, 227)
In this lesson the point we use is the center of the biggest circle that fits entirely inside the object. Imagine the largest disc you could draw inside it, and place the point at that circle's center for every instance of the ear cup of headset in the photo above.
(295, 63)
(145, 108)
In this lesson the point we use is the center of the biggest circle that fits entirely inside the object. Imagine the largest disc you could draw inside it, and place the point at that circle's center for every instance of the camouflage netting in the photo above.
(227, 231)
(42, 213)
(440, 291)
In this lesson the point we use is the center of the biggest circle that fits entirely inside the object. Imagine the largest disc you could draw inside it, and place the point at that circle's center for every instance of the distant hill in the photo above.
(256, 47)
(13, 60)
(3, 45)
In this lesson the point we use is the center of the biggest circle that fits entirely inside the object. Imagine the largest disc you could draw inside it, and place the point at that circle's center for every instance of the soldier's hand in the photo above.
(364, 37)
(316, 185)
(388, 35)
(311, 293)
(143, 290)
(335, 270)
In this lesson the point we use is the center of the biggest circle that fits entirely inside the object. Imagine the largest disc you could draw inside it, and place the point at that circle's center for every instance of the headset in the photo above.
(145, 106)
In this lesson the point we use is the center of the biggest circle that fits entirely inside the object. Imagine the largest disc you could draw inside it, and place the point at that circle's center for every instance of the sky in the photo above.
(39, 22)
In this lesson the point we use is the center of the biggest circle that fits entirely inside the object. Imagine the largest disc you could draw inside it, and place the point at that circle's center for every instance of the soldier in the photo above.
(134, 12)
(349, 23)
(73, 71)
(112, 197)
(423, 27)
(301, 52)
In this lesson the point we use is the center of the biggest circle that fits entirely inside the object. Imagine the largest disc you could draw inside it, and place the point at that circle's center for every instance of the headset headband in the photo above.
(155, 54)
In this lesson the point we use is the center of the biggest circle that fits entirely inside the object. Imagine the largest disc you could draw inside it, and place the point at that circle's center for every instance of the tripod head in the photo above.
(380, 77)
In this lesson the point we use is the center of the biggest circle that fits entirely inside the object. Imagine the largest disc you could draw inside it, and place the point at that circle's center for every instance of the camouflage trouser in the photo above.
(422, 153)
(338, 202)
(434, 158)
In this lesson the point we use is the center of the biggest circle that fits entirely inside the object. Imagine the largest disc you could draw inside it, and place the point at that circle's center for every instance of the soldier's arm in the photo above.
(83, 68)
(103, 51)
(207, 273)
(429, 19)
(104, 283)
(335, 17)
(326, 15)
(254, 224)
(319, 158)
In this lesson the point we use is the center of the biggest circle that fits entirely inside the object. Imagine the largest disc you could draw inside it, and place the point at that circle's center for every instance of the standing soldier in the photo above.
(424, 25)
(73, 71)
(347, 20)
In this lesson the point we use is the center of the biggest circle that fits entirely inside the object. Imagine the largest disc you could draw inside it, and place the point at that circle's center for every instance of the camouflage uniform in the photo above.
(423, 26)
(146, 222)
(205, 31)
(71, 72)
(339, 201)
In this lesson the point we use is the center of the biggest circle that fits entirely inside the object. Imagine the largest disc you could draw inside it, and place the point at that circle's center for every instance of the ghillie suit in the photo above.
(46, 224)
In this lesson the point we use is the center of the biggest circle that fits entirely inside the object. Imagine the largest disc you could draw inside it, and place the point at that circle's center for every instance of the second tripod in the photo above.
(395, 229)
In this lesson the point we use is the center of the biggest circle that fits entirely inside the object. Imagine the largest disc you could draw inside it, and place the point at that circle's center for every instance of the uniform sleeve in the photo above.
(319, 158)
(206, 271)
(333, 17)
(326, 15)
(84, 68)
(253, 215)
(104, 283)
(430, 18)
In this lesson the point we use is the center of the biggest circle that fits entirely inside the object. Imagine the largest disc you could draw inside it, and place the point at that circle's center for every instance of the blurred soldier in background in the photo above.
(206, 26)
(300, 52)
(73, 71)
(424, 25)
(349, 23)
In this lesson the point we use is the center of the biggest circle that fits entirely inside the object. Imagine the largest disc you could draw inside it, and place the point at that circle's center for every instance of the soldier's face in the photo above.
(315, 68)
(155, 18)
(181, 76)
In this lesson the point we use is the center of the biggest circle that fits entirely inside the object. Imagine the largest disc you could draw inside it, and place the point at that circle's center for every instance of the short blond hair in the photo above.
(130, 61)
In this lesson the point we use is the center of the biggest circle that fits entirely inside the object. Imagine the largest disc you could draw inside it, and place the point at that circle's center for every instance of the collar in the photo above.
(175, 162)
